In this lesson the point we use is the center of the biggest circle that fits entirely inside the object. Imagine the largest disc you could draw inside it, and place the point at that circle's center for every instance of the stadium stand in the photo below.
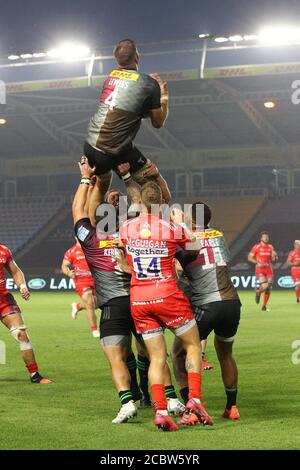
(21, 219)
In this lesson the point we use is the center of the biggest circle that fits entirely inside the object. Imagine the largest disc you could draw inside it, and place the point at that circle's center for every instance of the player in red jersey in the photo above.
(263, 255)
(10, 314)
(156, 302)
(294, 261)
(74, 265)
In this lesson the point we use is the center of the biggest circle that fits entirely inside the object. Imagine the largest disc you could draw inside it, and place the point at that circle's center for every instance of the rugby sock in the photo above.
(297, 293)
(143, 367)
(231, 394)
(184, 392)
(170, 391)
(158, 397)
(195, 383)
(131, 366)
(125, 396)
(79, 307)
(32, 368)
(94, 328)
(266, 298)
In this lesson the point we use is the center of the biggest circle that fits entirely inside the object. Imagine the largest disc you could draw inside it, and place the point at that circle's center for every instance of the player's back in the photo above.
(151, 244)
(127, 96)
(208, 274)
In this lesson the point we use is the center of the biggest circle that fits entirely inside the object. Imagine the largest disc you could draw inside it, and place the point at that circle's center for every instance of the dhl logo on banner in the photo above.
(107, 244)
(212, 234)
(125, 75)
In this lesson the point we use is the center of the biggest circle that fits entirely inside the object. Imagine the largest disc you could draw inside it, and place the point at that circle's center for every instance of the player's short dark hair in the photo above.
(125, 52)
(207, 213)
(264, 233)
(151, 194)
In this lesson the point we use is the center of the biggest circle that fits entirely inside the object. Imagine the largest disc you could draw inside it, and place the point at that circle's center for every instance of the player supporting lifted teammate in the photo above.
(215, 303)
(10, 314)
(263, 255)
(156, 302)
(294, 261)
(127, 97)
(74, 265)
(112, 289)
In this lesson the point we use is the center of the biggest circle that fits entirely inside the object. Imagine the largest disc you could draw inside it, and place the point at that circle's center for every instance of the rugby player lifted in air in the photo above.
(127, 97)
(156, 302)
(10, 314)
(263, 255)
(215, 303)
(294, 261)
(74, 265)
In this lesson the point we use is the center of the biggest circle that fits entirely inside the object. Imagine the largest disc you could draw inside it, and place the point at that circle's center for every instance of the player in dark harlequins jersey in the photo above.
(112, 291)
(127, 97)
(215, 303)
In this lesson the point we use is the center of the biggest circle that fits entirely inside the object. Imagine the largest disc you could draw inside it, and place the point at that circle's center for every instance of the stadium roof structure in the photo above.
(219, 120)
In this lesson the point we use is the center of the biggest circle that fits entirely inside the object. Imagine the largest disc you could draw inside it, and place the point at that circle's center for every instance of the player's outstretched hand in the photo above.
(163, 85)
(24, 292)
(151, 171)
(85, 168)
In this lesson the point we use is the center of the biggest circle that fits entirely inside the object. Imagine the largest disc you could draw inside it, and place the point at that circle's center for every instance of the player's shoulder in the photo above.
(4, 250)
(271, 247)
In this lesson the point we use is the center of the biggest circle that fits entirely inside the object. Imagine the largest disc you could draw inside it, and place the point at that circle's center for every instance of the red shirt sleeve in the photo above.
(68, 256)
(254, 250)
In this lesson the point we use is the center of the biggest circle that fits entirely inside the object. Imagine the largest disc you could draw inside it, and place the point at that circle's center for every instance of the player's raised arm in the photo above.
(159, 116)
(19, 279)
(79, 202)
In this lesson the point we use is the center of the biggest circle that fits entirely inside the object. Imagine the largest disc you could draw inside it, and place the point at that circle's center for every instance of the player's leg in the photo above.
(295, 273)
(15, 323)
(174, 404)
(205, 364)
(138, 163)
(143, 364)
(131, 363)
(267, 293)
(229, 376)
(195, 412)
(88, 299)
(156, 346)
(178, 360)
(103, 164)
(115, 338)
(228, 317)
(262, 286)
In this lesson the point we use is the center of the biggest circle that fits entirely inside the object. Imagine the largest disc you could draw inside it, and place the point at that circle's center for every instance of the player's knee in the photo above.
(138, 176)
(20, 335)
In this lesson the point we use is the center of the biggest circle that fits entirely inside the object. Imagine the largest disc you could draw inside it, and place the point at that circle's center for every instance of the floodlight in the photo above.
(221, 39)
(269, 104)
(279, 35)
(26, 56)
(69, 51)
(2, 121)
(236, 38)
(13, 57)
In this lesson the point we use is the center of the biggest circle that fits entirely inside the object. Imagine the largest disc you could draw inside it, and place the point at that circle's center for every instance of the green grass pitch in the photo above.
(75, 412)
